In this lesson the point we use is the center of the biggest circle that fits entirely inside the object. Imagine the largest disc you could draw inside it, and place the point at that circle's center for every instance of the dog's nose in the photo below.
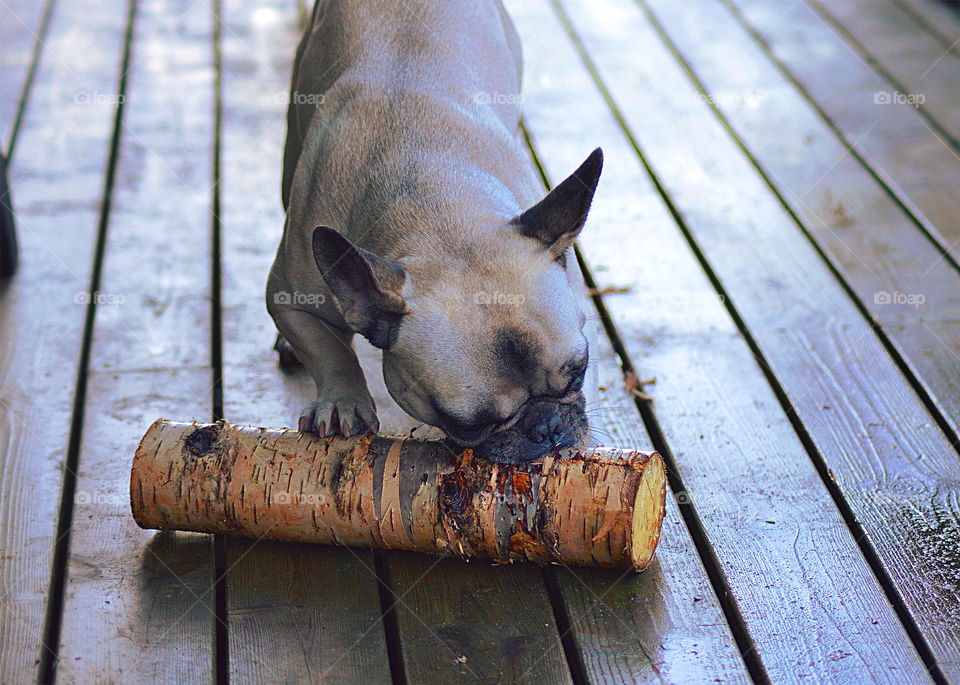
(548, 430)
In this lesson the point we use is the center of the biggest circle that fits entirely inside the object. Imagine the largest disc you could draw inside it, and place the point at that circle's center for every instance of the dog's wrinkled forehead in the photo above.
(498, 326)
(521, 310)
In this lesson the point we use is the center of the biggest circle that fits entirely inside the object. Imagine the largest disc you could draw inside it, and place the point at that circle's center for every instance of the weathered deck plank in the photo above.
(872, 243)
(297, 613)
(22, 25)
(475, 623)
(795, 581)
(859, 227)
(665, 623)
(909, 57)
(139, 606)
(57, 175)
(940, 18)
(919, 167)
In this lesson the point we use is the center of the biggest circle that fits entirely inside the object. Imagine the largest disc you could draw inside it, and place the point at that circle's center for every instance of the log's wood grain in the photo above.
(810, 603)
(22, 25)
(57, 175)
(598, 506)
(898, 47)
(139, 607)
(920, 167)
(877, 249)
(297, 613)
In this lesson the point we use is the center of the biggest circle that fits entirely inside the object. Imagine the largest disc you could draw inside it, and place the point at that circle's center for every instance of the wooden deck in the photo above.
(780, 201)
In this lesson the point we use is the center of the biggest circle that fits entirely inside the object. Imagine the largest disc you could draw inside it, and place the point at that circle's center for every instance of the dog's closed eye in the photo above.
(575, 369)
(576, 383)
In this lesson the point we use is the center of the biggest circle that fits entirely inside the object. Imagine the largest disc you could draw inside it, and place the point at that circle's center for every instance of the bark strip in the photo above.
(596, 507)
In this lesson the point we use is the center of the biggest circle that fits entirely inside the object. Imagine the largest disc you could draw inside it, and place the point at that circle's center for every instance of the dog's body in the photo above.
(403, 147)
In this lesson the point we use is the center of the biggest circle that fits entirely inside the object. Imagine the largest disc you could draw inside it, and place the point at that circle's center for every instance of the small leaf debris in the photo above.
(608, 290)
(635, 385)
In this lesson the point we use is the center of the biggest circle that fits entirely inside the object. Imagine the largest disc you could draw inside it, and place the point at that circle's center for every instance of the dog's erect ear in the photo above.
(366, 287)
(557, 219)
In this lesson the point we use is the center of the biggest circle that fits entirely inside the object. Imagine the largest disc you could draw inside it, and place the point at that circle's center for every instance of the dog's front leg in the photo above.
(343, 405)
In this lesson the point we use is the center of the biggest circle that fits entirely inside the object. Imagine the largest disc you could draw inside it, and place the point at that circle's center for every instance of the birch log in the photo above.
(597, 507)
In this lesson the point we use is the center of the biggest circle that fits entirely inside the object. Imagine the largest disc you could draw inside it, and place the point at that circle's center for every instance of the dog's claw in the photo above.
(332, 422)
(342, 418)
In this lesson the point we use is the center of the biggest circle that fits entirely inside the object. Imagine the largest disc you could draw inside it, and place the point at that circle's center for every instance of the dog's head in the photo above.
(488, 343)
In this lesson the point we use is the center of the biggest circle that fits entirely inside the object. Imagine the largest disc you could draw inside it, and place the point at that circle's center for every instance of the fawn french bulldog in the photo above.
(415, 219)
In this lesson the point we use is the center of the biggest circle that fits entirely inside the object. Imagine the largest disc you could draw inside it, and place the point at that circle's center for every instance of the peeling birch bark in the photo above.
(596, 507)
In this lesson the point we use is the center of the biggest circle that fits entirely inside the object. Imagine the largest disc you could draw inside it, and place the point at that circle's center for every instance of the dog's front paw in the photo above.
(341, 417)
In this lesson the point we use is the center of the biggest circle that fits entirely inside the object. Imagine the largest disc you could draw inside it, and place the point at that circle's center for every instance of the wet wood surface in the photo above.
(758, 198)
(57, 176)
(919, 166)
(877, 250)
(665, 120)
(624, 626)
(915, 61)
(149, 597)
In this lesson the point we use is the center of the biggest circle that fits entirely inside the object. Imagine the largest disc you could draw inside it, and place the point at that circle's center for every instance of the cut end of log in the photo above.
(585, 507)
(649, 508)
